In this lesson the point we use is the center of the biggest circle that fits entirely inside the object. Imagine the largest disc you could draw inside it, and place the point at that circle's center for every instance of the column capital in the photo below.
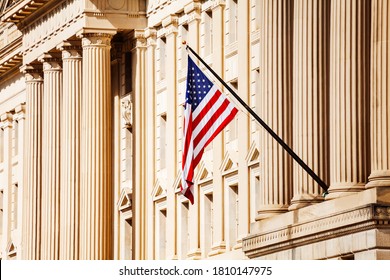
(193, 11)
(70, 49)
(32, 72)
(96, 39)
(51, 62)
(218, 4)
(6, 120)
(20, 112)
(170, 24)
(139, 36)
(150, 35)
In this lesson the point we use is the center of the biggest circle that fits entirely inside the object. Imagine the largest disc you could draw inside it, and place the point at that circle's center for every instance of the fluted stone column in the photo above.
(219, 243)
(6, 123)
(139, 133)
(170, 26)
(52, 94)
(70, 151)
(276, 107)
(32, 177)
(349, 96)
(193, 13)
(96, 204)
(244, 90)
(380, 94)
(310, 99)
(20, 117)
(150, 36)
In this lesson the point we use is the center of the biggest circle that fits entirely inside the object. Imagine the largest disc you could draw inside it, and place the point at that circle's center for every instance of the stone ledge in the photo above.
(291, 236)
(315, 223)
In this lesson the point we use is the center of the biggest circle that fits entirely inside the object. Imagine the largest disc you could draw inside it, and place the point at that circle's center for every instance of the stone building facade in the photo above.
(91, 117)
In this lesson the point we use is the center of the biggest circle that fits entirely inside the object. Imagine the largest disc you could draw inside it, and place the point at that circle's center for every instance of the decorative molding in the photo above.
(151, 36)
(11, 63)
(158, 192)
(157, 5)
(20, 10)
(253, 154)
(20, 112)
(177, 182)
(228, 164)
(339, 224)
(96, 40)
(139, 35)
(218, 3)
(192, 11)
(125, 200)
(51, 62)
(50, 24)
(70, 49)
(126, 113)
(32, 72)
(6, 120)
(204, 174)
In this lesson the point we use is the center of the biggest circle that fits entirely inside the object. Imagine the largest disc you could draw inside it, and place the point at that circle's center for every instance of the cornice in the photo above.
(339, 224)
(11, 56)
(22, 9)
(151, 36)
(32, 72)
(6, 120)
(51, 62)
(20, 112)
(192, 11)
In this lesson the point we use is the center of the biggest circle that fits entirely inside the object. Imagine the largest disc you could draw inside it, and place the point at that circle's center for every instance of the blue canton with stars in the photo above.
(198, 85)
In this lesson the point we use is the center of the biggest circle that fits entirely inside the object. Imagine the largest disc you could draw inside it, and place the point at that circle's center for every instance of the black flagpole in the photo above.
(270, 131)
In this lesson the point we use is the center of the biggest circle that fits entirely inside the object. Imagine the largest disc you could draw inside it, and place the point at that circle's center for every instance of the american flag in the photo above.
(207, 112)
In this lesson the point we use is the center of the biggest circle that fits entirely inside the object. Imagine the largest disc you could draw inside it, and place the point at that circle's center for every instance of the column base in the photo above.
(218, 249)
(341, 190)
(269, 211)
(379, 179)
(303, 200)
(195, 255)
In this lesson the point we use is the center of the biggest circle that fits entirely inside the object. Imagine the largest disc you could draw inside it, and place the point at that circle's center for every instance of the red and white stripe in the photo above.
(200, 127)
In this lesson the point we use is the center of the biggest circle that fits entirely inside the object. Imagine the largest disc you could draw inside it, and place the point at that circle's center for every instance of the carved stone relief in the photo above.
(126, 112)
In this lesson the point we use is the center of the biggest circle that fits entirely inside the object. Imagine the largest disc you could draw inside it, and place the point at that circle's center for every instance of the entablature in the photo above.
(44, 24)
(17, 11)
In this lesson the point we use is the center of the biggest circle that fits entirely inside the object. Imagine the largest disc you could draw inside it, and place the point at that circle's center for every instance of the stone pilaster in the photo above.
(52, 94)
(32, 159)
(276, 106)
(139, 134)
(170, 25)
(380, 94)
(193, 12)
(193, 19)
(349, 96)
(70, 151)
(150, 36)
(20, 117)
(116, 89)
(218, 57)
(310, 99)
(96, 152)
(6, 123)
(243, 135)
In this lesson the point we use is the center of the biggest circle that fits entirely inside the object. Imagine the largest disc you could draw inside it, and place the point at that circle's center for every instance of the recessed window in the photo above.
(162, 57)
(208, 32)
(233, 21)
(163, 140)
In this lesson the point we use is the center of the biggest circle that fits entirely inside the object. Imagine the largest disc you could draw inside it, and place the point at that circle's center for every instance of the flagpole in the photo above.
(269, 130)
